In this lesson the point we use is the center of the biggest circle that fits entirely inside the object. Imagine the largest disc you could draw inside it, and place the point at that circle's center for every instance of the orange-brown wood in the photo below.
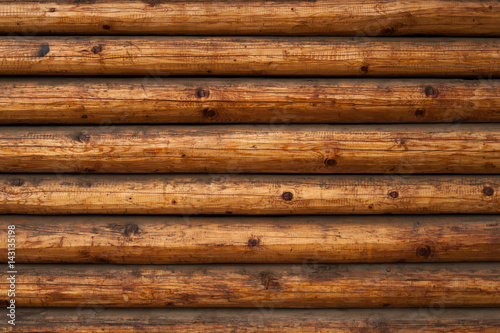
(204, 100)
(251, 56)
(202, 240)
(254, 17)
(276, 286)
(472, 149)
(112, 320)
(247, 194)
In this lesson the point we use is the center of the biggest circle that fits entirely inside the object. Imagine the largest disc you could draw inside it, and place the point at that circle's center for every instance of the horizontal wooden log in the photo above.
(255, 17)
(205, 100)
(279, 286)
(112, 320)
(473, 149)
(201, 240)
(251, 56)
(250, 194)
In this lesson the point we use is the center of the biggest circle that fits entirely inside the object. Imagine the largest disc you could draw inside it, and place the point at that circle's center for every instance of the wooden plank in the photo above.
(260, 100)
(247, 194)
(473, 149)
(277, 286)
(202, 240)
(254, 17)
(112, 320)
(251, 56)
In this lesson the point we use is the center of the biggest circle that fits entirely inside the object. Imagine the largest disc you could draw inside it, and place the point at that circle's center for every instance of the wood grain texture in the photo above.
(251, 56)
(112, 320)
(247, 194)
(277, 286)
(255, 17)
(202, 240)
(154, 100)
(472, 149)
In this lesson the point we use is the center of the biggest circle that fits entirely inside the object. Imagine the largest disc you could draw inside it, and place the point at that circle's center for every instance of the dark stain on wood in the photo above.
(431, 91)
(82, 137)
(202, 93)
(269, 281)
(330, 162)
(424, 251)
(44, 50)
(17, 182)
(131, 230)
(394, 194)
(209, 113)
(488, 191)
(419, 113)
(97, 49)
(253, 242)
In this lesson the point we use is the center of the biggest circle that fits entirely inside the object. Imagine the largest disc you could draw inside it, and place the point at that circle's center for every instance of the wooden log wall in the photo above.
(239, 239)
(256, 166)
(251, 56)
(255, 320)
(473, 149)
(290, 286)
(251, 17)
(155, 100)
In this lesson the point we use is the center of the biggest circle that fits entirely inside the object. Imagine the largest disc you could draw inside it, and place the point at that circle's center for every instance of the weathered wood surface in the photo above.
(251, 56)
(472, 149)
(256, 17)
(280, 286)
(113, 320)
(202, 240)
(259, 100)
(247, 194)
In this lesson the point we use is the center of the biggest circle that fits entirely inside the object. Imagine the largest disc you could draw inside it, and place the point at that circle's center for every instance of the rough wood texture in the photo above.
(201, 240)
(203, 100)
(472, 149)
(230, 17)
(251, 194)
(251, 56)
(111, 320)
(280, 286)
